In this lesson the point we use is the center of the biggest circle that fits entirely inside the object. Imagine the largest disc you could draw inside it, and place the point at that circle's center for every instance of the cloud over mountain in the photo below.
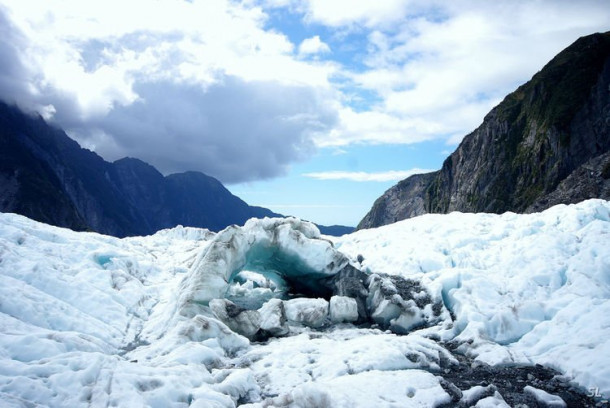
(242, 90)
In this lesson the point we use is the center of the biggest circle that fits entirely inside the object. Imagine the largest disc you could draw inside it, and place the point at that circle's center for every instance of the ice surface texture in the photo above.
(90, 320)
(523, 288)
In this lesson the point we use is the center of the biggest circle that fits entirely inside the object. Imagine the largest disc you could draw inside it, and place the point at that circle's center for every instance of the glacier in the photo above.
(275, 314)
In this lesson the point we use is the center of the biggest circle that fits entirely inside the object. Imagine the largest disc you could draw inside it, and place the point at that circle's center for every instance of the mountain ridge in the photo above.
(47, 176)
(537, 137)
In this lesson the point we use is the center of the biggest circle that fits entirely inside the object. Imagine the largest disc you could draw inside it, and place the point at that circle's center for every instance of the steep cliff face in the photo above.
(29, 186)
(536, 138)
(48, 177)
(404, 200)
(590, 180)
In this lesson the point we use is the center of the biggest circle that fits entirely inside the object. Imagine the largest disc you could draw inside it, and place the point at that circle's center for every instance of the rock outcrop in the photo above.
(401, 305)
(545, 144)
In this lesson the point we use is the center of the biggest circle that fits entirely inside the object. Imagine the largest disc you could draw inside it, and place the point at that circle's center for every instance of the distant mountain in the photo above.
(546, 143)
(335, 230)
(48, 177)
(190, 199)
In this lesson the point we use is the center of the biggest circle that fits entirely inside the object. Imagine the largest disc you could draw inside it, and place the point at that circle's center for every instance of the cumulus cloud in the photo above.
(214, 86)
(313, 45)
(392, 175)
(237, 130)
(14, 73)
(439, 70)
(339, 13)
(379, 127)
(182, 85)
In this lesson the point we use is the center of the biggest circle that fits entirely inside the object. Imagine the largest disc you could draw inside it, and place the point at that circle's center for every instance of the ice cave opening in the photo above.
(285, 269)
(269, 272)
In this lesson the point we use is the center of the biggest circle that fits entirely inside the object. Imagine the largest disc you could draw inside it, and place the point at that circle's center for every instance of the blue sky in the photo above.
(340, 201)
(309, 107)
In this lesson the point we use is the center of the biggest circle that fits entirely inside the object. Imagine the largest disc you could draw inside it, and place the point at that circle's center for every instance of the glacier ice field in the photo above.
(274, 314)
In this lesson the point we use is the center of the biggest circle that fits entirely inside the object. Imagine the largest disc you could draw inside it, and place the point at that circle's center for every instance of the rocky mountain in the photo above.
(546, 143)
(48, 177)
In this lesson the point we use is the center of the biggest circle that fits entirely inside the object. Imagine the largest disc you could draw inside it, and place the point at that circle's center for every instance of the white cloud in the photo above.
(313, 45)
(346, 12)
(237, 131)
(136, 79)
(197, 41)
(392, 175)
(378, 127)
(442, 67)
(419, 70)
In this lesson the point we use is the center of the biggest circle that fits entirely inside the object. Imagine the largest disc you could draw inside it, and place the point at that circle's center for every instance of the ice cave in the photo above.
(287, 259)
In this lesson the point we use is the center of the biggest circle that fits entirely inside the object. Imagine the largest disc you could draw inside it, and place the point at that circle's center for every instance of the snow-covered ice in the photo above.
(285, 363)
(523, 288)
(74, 305)
(273, 317)
(309, 312)
(343, 309)
(91, 320)
(544, 398)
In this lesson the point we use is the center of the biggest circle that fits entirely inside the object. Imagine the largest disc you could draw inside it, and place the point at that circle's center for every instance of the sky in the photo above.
(311, 108)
